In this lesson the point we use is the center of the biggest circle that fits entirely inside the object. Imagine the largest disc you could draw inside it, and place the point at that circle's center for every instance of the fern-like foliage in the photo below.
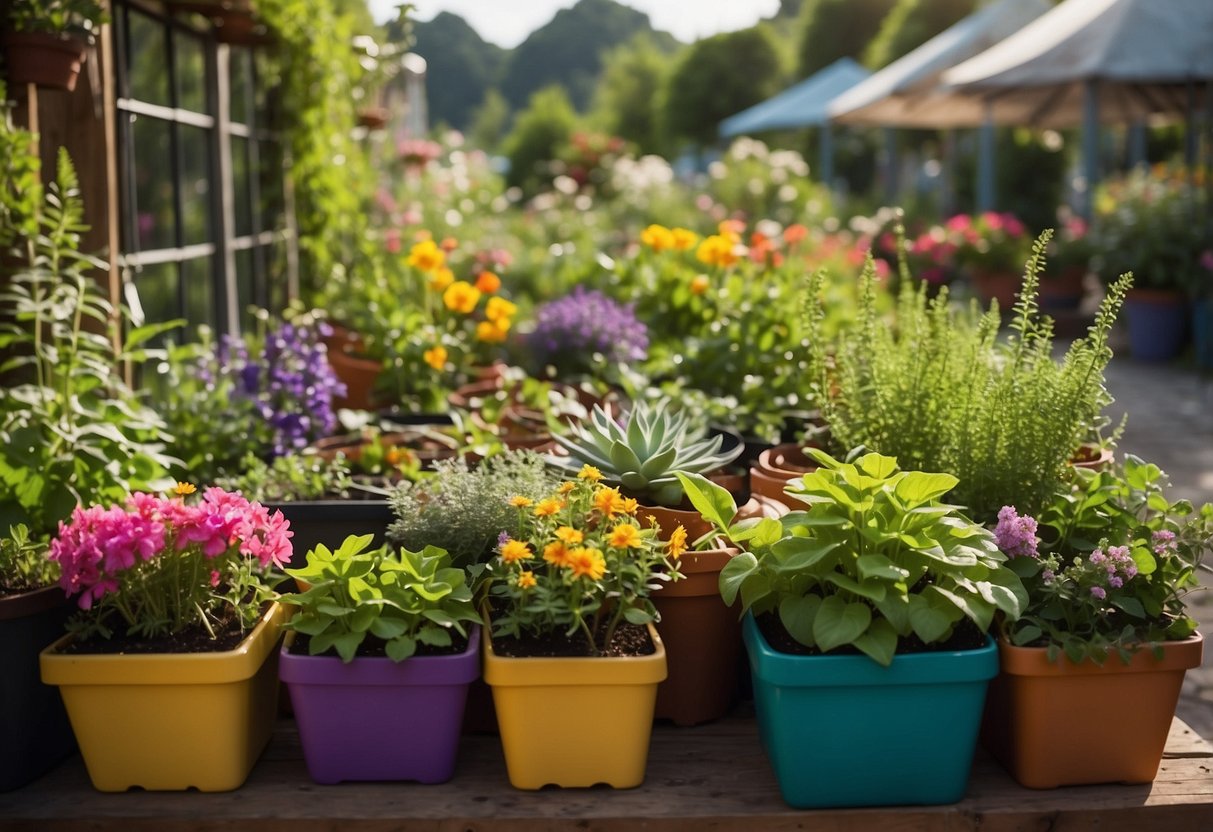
(938, 388)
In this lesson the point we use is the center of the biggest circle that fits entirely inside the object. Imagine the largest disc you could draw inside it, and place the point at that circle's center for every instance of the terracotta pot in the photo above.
(42, 58)
(1058, 723)
(702, 640)
(1000, 286)
(777, 467)
(373, 118)
(1064, 290)
(670, 518)
(359, 376)
(1093, 457)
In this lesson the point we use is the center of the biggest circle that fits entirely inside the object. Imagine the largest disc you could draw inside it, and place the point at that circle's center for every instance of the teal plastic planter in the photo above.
(844, 731)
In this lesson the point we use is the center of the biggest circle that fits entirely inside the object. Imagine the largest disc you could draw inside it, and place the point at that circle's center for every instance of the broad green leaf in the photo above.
(879, 642)
(309, 624)
(801, 553)
(929, 622)
(918, 487)
(347, 645)
(434, 636)
(878, 466)
(1146, 563)
(734, 574)
(879, 566)
(1026, 635)
(797, 614)
(362, 619)
(1129, 605)
(838, 622)
(714, 503)
(873, 591)
(388, 628)
(637, 615)
(979, 611)
(399, 649)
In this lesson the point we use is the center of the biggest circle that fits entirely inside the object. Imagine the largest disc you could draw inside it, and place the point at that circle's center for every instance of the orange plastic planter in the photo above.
(1056, 724)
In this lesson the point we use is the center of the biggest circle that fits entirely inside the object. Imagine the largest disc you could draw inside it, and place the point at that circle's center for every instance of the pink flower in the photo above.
(960, 222)
(1206, 260)
(391, 241)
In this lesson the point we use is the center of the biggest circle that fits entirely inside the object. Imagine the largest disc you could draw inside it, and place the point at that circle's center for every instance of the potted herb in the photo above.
(866, 628)
(175, 618)
(570, 620)
(1106, 567)
(33, 611)
(378, 662)
(45, 41)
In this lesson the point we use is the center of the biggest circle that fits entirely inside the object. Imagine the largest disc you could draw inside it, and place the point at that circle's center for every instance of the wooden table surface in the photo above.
(714, 777)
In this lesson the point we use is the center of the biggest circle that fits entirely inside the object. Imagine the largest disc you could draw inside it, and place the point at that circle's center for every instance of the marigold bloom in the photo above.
(624, 536)
(461, 296)
(488, 282)
(566, 488)
(569, 535)
(657, 237)
(515, 550)
(435, 357)
(500, 309)
(684, 238)
(398, 456)
(492, 332)
(556, 554)
(589, 472)
(441, 278)
(519, 501)
(699, 284)
(183, 488)
(608, 501)
(548, 507)
(630, 505)
(426, 256)
(677, 544)
(716, 250)
(587, 562)
(526, 580)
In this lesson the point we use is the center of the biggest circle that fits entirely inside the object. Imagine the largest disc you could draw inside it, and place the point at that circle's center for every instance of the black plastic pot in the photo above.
(332, 521)
(35, 734)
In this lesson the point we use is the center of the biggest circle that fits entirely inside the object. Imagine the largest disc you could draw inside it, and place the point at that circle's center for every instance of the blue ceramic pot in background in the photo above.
(1158, 324)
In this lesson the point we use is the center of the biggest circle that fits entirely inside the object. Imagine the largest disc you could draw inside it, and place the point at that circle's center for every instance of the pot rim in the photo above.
(31, 602)
(380, 671)
(534, 671)
(1034, 661)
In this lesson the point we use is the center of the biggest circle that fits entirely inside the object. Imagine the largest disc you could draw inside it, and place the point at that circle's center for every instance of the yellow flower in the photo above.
(677, 543)
(498, 309)
(556, 554)
(435, 357)
(624, 536)
(518, 501)
(629, 505)
(716, 250)
(657, 237)
(548, 507)
(183, 488)
(587, 562)
(441, 278)
(608, 501)
(589, 472)
(426, 256)
(492, 332)
(569, 535)
(684, 238)
(488, 282)
(526, 580)
(699, 284)
(565, 488)
(515, 550)
(461, 296)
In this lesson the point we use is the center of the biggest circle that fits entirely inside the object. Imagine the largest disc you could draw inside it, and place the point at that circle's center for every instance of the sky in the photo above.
(508, 22)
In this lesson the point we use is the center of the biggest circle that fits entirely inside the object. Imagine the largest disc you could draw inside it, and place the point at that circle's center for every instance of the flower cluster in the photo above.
(163, 564)
(579, 560)
(569, 329)
(989, 242)
(1015, 534)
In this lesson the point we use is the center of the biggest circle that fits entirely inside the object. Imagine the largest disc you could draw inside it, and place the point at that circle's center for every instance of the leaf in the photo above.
(873, 591)
(879, 642)
(928, 621)
(1129, 605)
(637, 615)
(919, 487)
(714, 503)
(1146, 564)
(979, 612)
(1026, 634)
(879, 566)
(878, 466)
(767, 532)
(347, 645)
(838, 623)
(797, 615)
(799, 554)
(734, 574)
(434, 636)
(388, 628)
(399, 649)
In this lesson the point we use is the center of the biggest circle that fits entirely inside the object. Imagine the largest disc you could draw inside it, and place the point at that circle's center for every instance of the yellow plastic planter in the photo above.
(575, 721)
(168, 722)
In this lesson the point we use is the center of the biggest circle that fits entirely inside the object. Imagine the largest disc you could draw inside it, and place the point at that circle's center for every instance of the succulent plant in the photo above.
(643, 452)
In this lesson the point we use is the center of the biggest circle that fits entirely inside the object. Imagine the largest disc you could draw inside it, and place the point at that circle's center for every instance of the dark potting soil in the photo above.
(965, 636)
(193, 639)
(374, 647)
(628, 640)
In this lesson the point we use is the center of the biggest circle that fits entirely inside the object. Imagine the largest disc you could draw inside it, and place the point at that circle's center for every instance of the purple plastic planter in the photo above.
(375, 719)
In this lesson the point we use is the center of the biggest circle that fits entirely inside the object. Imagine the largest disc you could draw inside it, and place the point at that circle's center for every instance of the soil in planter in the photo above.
(965, 636)
(629, 640)
(375, 648)
(193, 639)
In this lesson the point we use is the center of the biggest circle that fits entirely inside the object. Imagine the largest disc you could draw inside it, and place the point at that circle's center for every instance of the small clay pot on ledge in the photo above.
(50, 60)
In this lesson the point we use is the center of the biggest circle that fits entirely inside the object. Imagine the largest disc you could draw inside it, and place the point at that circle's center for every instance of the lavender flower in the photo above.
(582, 322)
(1098, 592)
(1016, 534)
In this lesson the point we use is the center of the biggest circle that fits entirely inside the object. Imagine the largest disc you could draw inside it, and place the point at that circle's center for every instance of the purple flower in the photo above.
(582, 322)
(1098, 592)
(1015, 534)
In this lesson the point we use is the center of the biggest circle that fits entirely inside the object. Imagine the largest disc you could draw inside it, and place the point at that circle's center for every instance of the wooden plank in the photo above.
(712, 778)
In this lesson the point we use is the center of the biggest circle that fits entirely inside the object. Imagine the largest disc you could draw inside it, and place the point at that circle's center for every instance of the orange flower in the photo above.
(565, 488)
(435, 357)
(526, 580)
(589, 472)
(556, 554)
(657, 237)
(519, 501)
(449, 244)
(515, 550)
(441, 278)
(608, 501)
(488, 282)
(548, 507)
(624, 536)
(699, 284)
(677, 544)
(794, 233)
(716, 250)
(630, 505)
(731, 229)
(181, 489)
(426, 256)
(587, 562)
(500, 309)
(684, 238)
(461, 296)
(491, 332)
(569, 535)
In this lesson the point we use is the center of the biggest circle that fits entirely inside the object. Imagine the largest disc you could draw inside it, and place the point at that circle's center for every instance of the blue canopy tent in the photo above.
(801, 105)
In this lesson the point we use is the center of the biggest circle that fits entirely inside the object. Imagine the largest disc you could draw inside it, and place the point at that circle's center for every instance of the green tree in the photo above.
(624, 103)
(720, 76)
(833, 29)
(490, 121)
(538, 132)
(461, 67)
(912, 23)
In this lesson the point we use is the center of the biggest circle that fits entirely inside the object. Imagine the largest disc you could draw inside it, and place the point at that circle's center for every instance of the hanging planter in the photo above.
(171, 721)
(1059, 723)
(50, 60)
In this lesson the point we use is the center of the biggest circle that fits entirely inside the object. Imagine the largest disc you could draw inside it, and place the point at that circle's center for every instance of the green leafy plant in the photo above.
(292, 477)
(877, 559)
(23, 562)
(404, 599)
(67, 16)
(463, 509)
(940, 391)
(1111, 566)
(71, 430)
(643, 453)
